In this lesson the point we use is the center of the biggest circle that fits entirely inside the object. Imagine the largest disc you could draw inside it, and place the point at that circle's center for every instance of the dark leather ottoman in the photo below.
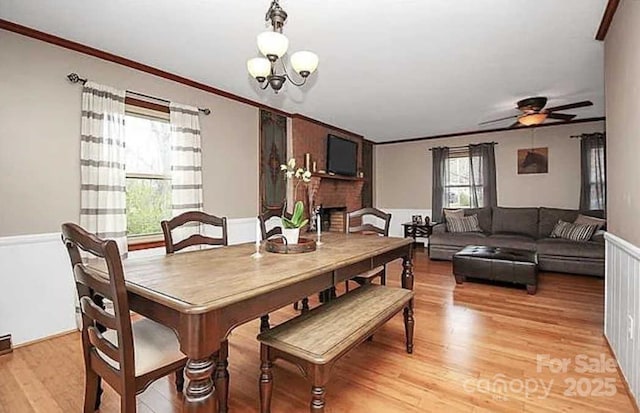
(497, 264)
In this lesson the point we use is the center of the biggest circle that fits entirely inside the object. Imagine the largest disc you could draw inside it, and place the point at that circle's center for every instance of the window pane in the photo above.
(459, 171)
(459, 197)
(148, 203)
(148, 146)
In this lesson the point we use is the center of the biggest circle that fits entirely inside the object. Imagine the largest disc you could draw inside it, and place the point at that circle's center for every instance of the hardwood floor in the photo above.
(476, 350)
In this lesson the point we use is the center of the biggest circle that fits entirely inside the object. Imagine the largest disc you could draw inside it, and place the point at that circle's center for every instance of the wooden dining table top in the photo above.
(200, 281)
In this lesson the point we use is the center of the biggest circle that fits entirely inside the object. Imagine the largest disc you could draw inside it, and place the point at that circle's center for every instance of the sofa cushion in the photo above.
(461, 239)
(521, 221)
(484, 217)
(549, 217)
(566, 248)
(463, 224)
(521, 242)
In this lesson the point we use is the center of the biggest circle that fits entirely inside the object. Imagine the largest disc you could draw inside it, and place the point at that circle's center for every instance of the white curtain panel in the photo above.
(102, 163)
(186, 165)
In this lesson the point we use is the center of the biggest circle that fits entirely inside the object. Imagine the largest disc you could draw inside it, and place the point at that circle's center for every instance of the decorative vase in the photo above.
(291, 234)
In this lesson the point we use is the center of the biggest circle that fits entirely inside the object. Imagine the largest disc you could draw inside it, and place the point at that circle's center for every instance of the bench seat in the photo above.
(316, 340)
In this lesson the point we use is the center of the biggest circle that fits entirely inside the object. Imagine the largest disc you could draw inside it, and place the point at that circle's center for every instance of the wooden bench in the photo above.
(316, 340)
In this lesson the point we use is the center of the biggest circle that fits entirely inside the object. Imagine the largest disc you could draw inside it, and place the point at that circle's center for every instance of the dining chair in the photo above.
(264, 218)
(128, 355)
(221, 373)
(192, 217)
(356, 224)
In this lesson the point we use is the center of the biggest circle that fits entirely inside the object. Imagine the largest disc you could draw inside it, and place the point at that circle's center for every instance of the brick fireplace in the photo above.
(330, 191)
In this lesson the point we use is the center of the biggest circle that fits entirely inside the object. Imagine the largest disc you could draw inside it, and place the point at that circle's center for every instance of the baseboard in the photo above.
(5, 344)
(634, 402)
(41, 339)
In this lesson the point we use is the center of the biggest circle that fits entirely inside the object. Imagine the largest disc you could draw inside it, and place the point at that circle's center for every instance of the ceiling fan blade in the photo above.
(515, 124)
(582, 104)
(498, 120)
(562, 116)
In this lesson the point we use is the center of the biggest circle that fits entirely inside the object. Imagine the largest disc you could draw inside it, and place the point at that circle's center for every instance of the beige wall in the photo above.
(40, 129)
(622, 89)
(403, 170)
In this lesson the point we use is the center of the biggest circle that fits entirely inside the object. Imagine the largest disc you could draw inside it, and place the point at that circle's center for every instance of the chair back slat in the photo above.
(197, 240)
(357, 217)
(268, 216)
(95, 280)
(95, 312)
(93, 287)
(103, 345)
(198, 217)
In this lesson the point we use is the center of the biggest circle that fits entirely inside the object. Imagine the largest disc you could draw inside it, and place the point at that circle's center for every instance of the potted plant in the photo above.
(291, 226)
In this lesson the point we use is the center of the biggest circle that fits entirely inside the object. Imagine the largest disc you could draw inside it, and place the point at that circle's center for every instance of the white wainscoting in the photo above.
(37, 294)
(622, 300)
(400, 216)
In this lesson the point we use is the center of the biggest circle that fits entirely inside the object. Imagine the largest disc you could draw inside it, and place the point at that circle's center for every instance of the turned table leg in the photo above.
(409, 326)
(221, 377)
(200, 393)
(317, 399)
(264, 323)
(266, 380)
(407, 273)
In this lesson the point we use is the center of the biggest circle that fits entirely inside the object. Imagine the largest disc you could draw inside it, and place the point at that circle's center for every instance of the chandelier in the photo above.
(273, 45)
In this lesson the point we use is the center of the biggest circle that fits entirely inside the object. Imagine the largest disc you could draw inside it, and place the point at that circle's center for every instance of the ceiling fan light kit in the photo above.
(533, 112)
(274, 45)
(533, 119)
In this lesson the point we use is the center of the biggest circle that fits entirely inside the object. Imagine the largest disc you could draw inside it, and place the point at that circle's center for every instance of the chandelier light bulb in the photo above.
(304, 62)
(273, 44)
(259, 68)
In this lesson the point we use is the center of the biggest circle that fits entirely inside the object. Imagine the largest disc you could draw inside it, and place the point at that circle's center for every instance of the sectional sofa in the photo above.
(527, 229)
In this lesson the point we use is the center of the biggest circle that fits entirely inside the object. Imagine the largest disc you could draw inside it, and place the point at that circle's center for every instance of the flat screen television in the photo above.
(342, 156)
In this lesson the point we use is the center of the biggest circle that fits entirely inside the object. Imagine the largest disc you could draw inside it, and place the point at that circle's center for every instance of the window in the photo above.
(596, 178)
(458, 188)
(148, 171)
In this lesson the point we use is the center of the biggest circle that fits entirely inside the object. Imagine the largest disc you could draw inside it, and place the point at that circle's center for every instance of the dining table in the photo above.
(204, 294)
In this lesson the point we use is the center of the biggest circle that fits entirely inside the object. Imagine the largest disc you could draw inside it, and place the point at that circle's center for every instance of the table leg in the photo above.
(200, 393)
(407, 282)
(221, 377)
(407, 271)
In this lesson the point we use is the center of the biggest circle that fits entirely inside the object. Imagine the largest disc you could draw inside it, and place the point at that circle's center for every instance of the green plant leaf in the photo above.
(298, 210)
(303, 223)
(286, 222)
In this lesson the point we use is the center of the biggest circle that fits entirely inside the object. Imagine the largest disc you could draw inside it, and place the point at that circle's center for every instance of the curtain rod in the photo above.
(461, 146)
(586, 134)
(75, 78)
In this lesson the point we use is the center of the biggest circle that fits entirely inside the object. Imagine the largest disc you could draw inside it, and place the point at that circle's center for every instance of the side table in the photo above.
(412, 230)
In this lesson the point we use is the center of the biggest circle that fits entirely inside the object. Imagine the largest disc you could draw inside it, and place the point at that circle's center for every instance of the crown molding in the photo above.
(607, 18)
(110, 57)
(481, 131)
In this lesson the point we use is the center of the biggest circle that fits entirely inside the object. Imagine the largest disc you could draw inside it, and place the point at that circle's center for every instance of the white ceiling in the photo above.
(389, 69)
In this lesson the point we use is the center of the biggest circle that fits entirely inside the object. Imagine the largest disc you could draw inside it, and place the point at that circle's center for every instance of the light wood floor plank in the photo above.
(466, 336)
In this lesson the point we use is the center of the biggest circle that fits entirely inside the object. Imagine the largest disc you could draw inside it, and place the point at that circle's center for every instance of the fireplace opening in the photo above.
(333, 218)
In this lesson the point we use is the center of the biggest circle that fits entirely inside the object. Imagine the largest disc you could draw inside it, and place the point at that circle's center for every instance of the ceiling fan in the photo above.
(533, 112)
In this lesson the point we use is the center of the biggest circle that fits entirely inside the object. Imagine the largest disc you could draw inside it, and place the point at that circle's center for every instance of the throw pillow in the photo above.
(586, 219)
(573, 232)
(463, 224)
(456, 213)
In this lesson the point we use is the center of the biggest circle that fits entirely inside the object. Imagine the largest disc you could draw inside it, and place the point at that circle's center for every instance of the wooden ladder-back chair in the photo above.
(266, 234)
(356, 224)
(128, 355)
(195, 239)
(221, 373)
